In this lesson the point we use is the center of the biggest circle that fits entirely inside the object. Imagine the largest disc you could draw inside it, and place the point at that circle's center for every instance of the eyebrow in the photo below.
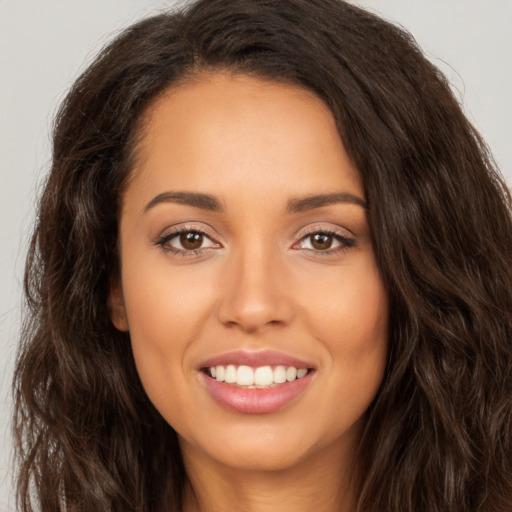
(211, 203)
(317, 201)
(196, 199)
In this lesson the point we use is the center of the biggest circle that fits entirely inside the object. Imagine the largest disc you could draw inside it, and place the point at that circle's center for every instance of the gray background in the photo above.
(44, 45)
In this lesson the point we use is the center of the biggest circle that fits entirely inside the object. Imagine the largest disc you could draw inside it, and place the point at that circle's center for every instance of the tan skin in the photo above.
(263, 270)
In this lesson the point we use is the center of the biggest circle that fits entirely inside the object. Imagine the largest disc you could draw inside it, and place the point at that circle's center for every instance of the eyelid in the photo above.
(186, 226)
(325, 228)
(343, 235)
(345, 238)
(173, 232)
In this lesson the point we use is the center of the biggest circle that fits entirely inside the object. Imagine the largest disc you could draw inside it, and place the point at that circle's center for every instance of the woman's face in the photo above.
(245, 247)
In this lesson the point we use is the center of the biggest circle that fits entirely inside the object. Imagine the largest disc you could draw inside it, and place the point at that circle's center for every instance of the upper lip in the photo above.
(255, 359)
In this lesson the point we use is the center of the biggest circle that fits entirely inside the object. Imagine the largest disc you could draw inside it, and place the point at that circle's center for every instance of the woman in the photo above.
(271, 272)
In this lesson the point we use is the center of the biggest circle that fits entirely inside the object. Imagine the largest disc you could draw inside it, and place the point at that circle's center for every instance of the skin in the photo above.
(256, 283)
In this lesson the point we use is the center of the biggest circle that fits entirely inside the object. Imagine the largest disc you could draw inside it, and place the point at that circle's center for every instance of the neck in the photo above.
(322, 482)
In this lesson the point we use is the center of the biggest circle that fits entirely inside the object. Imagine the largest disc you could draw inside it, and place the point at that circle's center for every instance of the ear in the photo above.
(117, 307)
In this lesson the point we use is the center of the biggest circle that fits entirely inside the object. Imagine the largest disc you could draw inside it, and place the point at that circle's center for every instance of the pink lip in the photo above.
(255, 359)
(255, 401)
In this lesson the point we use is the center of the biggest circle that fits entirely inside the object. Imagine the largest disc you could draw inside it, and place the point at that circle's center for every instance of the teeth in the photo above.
(279, 374)
(263, 376)
(230, 375)
(244, 376)
(256, 378)
(219, 370)
(301, 373)
(291, 373)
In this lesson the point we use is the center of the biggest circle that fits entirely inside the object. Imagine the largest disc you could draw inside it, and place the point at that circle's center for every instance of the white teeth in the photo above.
(230, 375)
(219, 370)
(263, 376)
(279, 374)
(291, 373)
(245, 376)
(256, 378)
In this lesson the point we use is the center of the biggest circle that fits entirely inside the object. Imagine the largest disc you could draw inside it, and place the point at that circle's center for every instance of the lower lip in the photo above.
(256, 401)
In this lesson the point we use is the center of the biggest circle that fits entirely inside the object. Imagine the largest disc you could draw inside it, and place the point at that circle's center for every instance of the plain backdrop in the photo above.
(45, 44)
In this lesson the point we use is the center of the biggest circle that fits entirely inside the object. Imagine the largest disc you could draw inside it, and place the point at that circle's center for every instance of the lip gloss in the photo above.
(255, 401)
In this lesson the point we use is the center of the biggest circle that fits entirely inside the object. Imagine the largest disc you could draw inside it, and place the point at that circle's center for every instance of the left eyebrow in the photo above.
(310, 202)
(195, 199)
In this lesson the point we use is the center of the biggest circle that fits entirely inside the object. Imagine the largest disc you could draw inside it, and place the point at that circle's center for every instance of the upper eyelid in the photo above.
(163, 242)
(174, 234)
(170, 232)
(344, 236)
(185, 228)
(343, 239)
(332, 230)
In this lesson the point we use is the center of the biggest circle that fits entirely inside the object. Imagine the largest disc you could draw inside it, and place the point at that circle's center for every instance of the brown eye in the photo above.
(191, 240)
(326, 242)
(187, 242)
(321, 241)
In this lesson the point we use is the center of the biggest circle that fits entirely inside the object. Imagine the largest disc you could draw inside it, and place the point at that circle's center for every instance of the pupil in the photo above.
(322, 241)
(191, 240)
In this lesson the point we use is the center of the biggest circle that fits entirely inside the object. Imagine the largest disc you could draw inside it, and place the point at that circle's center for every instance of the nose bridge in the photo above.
(254, 294)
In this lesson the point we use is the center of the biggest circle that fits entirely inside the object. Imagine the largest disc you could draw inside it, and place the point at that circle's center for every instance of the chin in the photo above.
(271, 446)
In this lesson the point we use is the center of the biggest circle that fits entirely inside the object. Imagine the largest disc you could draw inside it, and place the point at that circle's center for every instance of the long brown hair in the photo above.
(439, 433)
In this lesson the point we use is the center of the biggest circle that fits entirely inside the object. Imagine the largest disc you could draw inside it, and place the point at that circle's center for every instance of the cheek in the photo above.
(353, 328)
(165, 310)
(349, 310)
(164, 303)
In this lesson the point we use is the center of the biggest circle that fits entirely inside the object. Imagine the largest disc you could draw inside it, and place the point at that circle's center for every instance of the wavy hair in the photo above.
(439, 433)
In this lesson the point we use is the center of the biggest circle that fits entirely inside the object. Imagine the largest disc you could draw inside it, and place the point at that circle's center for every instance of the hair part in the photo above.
(439, 433)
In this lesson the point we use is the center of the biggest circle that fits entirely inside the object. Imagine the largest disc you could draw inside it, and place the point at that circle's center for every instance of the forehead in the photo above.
(223, 133)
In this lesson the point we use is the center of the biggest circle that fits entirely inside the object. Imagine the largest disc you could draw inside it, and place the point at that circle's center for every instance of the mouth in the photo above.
(260, 377)
(256, 382)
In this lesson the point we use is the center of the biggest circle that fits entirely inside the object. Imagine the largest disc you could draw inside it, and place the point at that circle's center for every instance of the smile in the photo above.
(261, 377)
(256, 382)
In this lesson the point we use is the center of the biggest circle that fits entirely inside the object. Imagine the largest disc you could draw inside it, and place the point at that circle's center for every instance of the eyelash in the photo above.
(345, 242)
(164, 240)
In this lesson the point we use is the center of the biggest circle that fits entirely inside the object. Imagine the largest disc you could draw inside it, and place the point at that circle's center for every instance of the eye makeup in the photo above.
(189, 241)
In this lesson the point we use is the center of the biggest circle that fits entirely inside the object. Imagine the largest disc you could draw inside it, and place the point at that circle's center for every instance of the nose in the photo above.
(254, 292)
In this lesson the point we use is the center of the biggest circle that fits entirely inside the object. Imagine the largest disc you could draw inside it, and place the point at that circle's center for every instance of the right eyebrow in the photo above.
(317, 201)
(195, 199)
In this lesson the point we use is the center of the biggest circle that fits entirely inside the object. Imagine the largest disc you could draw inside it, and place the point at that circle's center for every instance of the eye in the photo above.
(186, 241)
(325, 241)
